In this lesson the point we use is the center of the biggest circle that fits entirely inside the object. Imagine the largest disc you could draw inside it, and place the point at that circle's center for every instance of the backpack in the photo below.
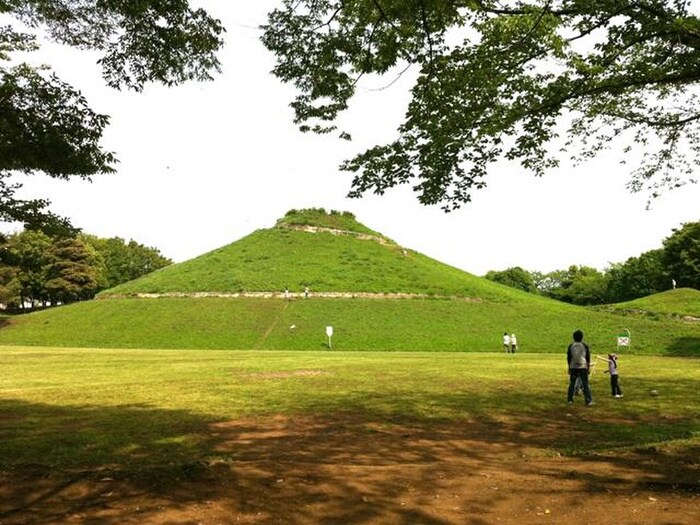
(577, 351)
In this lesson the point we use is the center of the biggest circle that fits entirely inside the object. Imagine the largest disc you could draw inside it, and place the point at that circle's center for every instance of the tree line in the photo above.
(39, 270)
(676, 263)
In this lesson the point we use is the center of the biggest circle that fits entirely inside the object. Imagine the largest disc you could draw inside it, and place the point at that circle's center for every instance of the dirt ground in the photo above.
(342, 469)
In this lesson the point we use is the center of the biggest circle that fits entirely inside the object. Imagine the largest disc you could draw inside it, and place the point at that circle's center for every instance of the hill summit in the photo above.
(320, 218)
(324, 252)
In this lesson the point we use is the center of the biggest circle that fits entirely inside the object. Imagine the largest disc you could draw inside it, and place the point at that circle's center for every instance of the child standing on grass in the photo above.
(614, 376)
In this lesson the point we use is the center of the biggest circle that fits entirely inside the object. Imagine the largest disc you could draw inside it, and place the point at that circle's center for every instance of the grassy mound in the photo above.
(680, 302)
(279, 258)
(450, 310)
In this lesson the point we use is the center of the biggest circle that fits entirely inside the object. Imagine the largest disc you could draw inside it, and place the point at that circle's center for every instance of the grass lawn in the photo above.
(541, 325)
(87, 408)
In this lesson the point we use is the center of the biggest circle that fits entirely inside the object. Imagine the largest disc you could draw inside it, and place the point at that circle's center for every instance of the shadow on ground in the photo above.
(684, 347)
(138, 464)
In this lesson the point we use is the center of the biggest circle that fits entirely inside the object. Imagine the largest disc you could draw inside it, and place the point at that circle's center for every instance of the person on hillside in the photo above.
(615, 389)
(506, 342)
(513, 343)
(578, 357)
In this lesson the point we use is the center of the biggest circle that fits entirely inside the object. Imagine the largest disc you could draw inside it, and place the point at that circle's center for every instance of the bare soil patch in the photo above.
(343, 469)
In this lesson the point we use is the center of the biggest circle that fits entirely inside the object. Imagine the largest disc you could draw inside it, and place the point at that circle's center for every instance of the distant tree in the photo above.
(580, 285)
(588, 287)
(559, 283)
(37, 269)
(121, 261)
(46, 125)
(649, 273)
(546, 282)
(637, 277)
(514, 277)
(681, 256)
(500, 80)
(71, 274)
(9, 286)
(28, 253)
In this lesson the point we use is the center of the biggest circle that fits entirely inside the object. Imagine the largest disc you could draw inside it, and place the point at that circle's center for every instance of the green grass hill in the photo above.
(329, 253)
(683, 302)
(377, 296)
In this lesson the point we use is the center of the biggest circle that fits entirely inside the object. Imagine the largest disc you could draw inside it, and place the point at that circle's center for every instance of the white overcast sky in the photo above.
(202, 165)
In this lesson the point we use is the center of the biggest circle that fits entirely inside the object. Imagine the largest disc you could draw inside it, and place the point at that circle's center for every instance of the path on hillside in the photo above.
(290, 295)
(270, 328)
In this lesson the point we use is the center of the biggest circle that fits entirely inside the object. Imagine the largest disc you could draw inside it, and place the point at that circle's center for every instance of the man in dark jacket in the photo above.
(578, 356)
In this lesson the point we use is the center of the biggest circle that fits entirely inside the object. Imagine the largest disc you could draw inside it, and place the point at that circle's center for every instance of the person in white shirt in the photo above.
(506, 342)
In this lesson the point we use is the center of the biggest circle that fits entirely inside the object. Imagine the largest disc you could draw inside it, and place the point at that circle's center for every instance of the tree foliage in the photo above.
(500, 80)
(514, 277)
(651, 272)
(36, 269)
(681, 255)
(46, 125)
(121, 261)
(25, 258)
(581, 285)
(637, 277)
(71, 274)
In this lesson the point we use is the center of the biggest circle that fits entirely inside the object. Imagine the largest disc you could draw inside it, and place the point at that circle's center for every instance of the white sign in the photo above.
(624, 339)
(329, 333)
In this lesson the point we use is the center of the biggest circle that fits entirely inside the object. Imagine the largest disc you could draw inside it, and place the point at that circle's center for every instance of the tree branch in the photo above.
(426, 28)
(330, 20)
(383, 14)
(657, 123)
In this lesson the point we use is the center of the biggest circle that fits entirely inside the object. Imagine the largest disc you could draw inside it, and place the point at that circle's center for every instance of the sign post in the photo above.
(624, 340)
(329, 333)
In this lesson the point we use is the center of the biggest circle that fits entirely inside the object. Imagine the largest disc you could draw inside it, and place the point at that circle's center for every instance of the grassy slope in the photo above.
(359, 324)
(270, 260)
(683, 302)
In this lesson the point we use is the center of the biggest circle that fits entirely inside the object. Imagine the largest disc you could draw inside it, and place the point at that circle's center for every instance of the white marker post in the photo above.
(329, 333)
(624, 340)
